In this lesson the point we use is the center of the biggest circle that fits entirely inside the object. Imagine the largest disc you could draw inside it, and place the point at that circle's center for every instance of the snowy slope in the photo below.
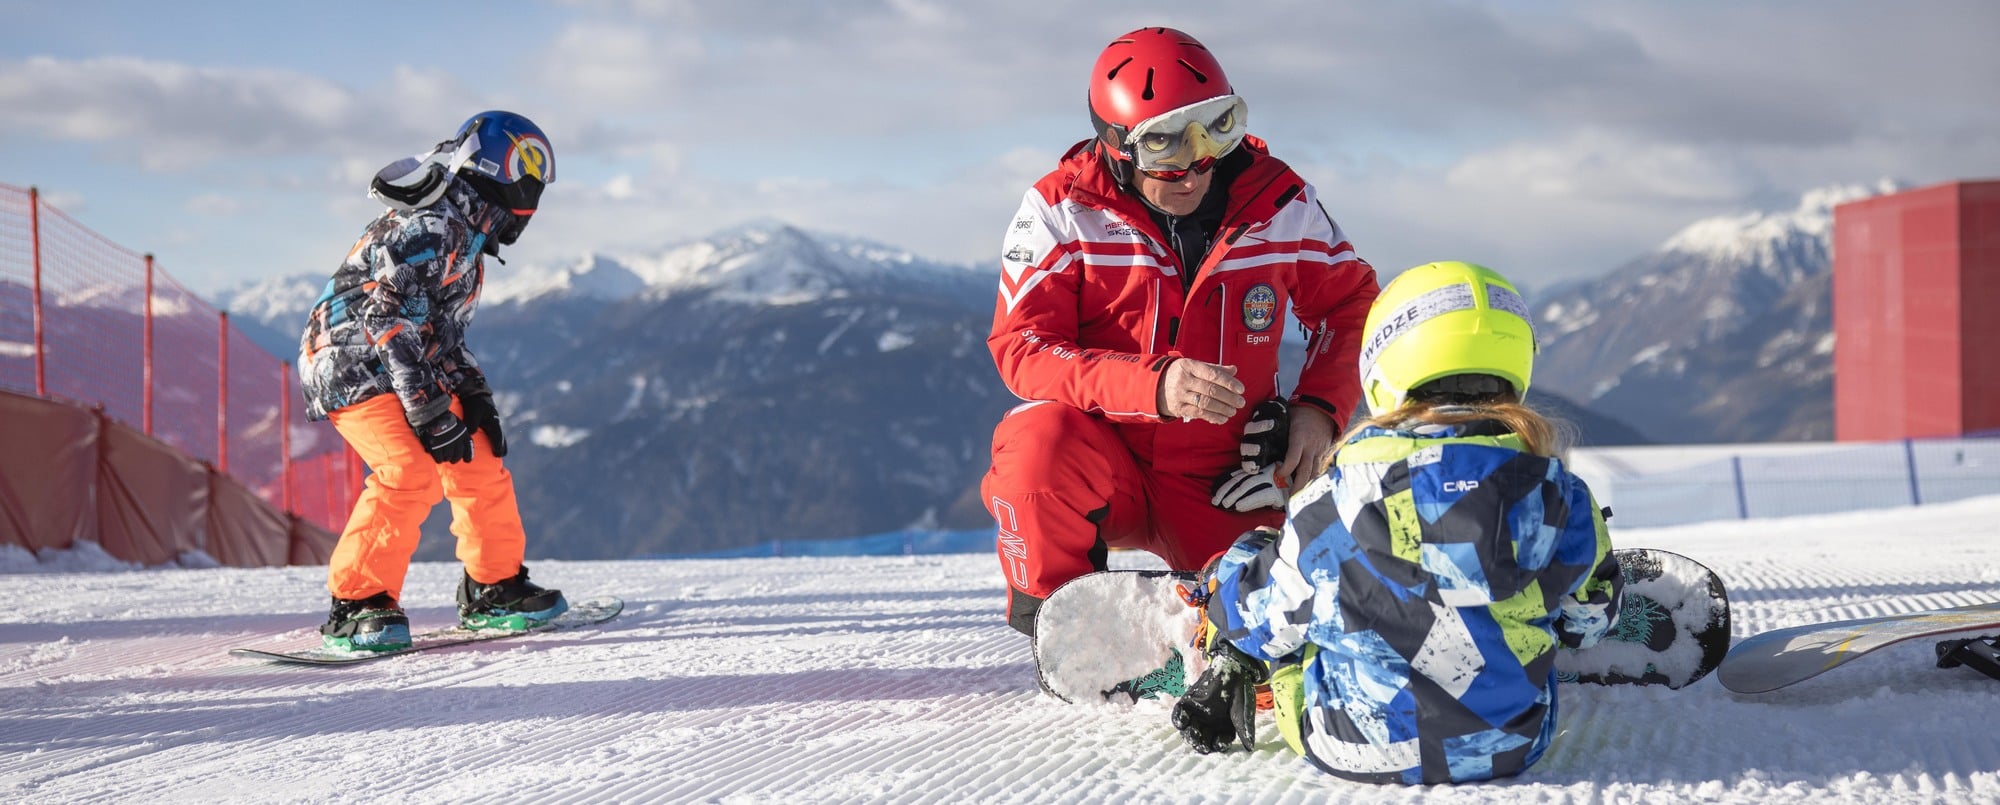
(849, 679)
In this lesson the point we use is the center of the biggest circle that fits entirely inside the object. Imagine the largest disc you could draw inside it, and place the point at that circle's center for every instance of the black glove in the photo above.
(482, 415)
(1267, 435)
(1220, 708)
(446, 438)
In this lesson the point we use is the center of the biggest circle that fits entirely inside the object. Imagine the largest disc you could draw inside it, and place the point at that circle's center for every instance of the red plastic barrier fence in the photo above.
(86, 320)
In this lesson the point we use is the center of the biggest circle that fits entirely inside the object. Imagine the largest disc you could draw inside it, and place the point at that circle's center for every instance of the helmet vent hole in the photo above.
(1199, 76)
(1148, 94)
(1114, 70)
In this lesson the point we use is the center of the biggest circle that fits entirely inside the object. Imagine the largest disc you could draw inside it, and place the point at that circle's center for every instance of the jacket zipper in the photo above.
(1159, 309)
(1222, 325)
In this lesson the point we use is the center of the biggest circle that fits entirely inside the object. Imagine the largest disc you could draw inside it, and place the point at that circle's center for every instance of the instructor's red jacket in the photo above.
(1091, 306)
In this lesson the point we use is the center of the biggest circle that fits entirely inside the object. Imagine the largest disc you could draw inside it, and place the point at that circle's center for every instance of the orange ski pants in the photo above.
(404, 484)
(1063, 487)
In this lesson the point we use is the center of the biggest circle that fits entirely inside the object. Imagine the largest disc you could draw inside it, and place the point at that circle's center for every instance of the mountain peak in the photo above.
(760, 261)
(1757, 237)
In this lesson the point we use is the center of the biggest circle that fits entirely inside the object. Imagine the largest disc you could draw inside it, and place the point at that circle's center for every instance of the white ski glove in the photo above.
(1248, 490)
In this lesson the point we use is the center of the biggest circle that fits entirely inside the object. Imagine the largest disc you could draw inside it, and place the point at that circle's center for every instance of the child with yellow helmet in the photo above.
(1407, 617)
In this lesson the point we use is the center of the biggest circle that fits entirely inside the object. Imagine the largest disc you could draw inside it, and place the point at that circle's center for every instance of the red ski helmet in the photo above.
(1148, 75)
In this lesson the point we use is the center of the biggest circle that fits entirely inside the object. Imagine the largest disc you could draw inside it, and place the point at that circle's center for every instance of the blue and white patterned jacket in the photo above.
(1425, 582)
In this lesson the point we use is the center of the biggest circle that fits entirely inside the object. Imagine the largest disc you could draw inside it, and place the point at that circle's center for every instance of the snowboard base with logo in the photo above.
(1124, 635)
(1775, 659)
(586, 613)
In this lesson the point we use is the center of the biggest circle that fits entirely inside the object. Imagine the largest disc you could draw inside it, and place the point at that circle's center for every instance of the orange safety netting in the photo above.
(87, 321)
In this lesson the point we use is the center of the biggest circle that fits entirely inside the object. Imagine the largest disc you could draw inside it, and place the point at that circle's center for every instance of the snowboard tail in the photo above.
(1783, 657)
(586, 613)
(1122, 635)
(1118, 636)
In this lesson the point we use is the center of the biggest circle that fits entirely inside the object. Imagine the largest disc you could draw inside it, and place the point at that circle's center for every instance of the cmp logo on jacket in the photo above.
(1260, 308)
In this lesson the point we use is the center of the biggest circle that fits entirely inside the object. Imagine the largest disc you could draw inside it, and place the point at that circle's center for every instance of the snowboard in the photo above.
(1775, 659)
(586, 613)
(1124, 635)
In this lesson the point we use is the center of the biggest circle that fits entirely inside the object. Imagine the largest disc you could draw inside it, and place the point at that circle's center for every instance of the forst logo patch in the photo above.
(1260, 308)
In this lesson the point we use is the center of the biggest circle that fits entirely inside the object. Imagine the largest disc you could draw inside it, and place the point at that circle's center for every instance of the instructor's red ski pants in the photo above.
(404, 483)
(1063, 487)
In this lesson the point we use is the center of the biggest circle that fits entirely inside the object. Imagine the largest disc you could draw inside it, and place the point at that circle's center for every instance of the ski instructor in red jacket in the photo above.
(1144, 287)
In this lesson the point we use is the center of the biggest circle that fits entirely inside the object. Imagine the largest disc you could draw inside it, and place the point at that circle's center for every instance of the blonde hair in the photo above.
(1541, 435)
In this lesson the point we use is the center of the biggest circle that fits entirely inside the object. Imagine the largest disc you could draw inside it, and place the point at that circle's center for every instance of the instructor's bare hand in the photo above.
(1191, 389)
(1310, 439)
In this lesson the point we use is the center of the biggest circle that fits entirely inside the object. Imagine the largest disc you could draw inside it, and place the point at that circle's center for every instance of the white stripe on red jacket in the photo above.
(1091, 306)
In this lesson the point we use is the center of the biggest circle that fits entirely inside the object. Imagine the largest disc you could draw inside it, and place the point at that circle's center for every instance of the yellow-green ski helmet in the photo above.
(1445, 320)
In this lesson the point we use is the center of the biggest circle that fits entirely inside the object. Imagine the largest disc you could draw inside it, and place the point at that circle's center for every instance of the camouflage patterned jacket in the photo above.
(393, 317)
(1424, 585)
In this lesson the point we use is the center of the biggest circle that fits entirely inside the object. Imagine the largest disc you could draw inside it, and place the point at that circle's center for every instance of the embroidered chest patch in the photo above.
(1260, 307)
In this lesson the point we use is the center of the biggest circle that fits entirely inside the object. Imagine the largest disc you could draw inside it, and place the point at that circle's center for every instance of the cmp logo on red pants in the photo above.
(1013, 549)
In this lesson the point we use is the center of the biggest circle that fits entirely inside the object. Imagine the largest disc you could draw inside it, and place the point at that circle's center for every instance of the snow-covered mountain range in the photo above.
(768, 382)
(760, 383)
(1724, 333)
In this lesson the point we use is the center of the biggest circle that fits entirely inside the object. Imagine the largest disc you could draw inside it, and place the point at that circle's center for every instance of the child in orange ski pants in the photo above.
(382, 533)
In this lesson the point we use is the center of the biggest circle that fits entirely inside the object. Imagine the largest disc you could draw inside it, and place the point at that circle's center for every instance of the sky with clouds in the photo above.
(1549, 139)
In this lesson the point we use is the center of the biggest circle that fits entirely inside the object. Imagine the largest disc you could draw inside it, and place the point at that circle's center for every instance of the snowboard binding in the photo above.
(1981, 654)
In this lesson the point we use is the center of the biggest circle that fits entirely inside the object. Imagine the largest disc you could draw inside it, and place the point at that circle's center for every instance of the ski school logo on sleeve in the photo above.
(1020, 253)
(1260, 307)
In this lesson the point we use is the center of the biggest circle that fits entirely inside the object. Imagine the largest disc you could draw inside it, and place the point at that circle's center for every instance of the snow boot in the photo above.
(514, 603)
(374, 623)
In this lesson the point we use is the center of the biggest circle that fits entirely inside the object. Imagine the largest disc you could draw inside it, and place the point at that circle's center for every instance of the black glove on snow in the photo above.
(482, 415)
(446, 438)
(1220, 708)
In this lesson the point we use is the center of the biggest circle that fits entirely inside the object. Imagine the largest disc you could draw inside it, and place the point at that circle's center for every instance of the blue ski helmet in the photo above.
(507, 157)
(504, 156)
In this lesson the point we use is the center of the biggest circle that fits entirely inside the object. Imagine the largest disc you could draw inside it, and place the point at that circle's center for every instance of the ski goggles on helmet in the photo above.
(1188, 139)
(505, 156)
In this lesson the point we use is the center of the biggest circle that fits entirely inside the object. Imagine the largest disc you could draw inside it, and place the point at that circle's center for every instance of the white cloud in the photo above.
(214, 205)
(173, 117)
(1597, 166)
(1554, 139)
